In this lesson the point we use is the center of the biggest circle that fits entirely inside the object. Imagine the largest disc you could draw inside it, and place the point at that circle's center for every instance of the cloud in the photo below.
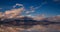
(17, 12)
(27, 12)
(39, 17)
(32, 8)
(17, 4)
(0, 8)
(1, 14)
(56, 0)
(13, 12)
(58, 15)
(29, 15)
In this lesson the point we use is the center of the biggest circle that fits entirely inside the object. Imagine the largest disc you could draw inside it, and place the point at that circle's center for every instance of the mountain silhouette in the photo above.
(27, 21)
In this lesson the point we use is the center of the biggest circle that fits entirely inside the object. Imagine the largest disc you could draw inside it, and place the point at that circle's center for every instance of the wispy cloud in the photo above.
(27, 12)
(0, 8)
(56, 0)
(17, 4)
(32, 8)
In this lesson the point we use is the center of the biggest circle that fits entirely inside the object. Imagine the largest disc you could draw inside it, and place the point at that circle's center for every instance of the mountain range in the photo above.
(31, 21)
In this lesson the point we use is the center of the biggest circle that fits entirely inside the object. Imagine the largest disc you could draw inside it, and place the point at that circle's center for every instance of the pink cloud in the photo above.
(39, 17)
(13, 12)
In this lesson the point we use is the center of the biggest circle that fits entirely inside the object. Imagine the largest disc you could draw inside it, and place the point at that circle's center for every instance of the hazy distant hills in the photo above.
(54, 19)
(28, 24)
(31, 21)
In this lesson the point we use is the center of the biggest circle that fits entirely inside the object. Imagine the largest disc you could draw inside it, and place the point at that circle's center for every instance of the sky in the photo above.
(32, 7)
